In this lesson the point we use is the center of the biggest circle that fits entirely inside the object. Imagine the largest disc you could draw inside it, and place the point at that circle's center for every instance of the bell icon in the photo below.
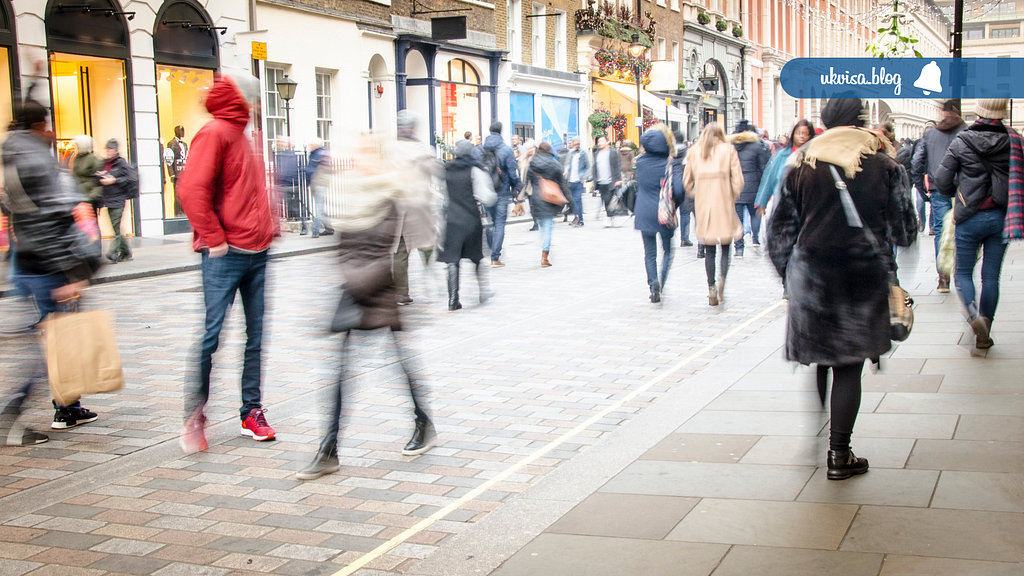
(930, 79)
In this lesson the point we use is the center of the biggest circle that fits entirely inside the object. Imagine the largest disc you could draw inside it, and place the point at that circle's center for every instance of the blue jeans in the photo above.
(684, 224)
(940, 205)
(546, 222)
(651, 256)
(319, 209)
(755, 223)
(985, 230)
(577, 199)
(922, 210)
(499, 213)
(222, 277)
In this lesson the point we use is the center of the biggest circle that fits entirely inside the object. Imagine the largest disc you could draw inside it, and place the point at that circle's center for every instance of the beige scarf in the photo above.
(846, 146)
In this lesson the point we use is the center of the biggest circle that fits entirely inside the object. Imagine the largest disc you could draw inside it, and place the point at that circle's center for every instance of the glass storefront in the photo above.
(180, 91)
(89, 97)
(460, 102)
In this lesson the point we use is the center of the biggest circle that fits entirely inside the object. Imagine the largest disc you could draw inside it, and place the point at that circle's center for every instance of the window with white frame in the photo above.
(274, 109)
(514, 15)
(323, 107)
(661, 48)
(675, 51)
(538, 36)
(560, 56)
(675, 5)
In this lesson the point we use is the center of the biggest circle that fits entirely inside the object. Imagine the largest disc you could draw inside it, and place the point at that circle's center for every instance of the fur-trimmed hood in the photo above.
(746, 137)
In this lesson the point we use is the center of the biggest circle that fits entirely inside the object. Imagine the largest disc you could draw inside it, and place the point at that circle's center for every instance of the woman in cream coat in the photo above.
(714, 179)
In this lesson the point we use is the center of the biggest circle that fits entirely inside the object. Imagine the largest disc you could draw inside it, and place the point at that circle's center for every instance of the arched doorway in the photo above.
(460, 101)
(380, 93)
(715, 85)
(90, 71)
(186, 53)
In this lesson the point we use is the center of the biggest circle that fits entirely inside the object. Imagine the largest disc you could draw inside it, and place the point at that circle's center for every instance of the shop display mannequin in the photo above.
(175, 156)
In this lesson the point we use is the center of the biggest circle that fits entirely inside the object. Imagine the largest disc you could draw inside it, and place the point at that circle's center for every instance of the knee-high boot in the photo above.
(453, 286)
(485, 288)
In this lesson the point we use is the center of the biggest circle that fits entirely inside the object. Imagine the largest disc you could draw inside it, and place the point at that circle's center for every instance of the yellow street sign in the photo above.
(259, 50)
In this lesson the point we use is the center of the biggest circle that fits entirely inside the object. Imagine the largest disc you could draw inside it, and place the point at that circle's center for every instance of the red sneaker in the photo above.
(193, 436)
(255, 425)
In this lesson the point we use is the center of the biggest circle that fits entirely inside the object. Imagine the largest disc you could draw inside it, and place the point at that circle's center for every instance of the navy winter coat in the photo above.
(650, 169)
(510, 181)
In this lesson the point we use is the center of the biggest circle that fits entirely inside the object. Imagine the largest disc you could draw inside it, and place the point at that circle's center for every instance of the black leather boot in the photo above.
(422, 438)
(842, 464)
(655, 292)
(700, 250)
(453, 287)
(481, 280)
(325, 462)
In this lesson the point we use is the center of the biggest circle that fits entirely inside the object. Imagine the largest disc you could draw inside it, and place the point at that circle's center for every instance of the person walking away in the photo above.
(686, 207)
(979, 162)
(778, 167)
(368, 231)
(659, 147)
(54, 258)
(905, 158)
(627, 156)
(754, 155)
(120, 183)
(838, 282)
(499, 155)
(546, 167)
(607, 173)
(318, 177)
(714, 177)
(85, 168)
(469, 187)
(286, 178)
(526, 192)
(225, 199)
(576, 170)
(927, 158)
(416, 228)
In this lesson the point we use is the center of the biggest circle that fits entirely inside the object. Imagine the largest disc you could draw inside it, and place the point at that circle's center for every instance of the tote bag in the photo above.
(81, 355)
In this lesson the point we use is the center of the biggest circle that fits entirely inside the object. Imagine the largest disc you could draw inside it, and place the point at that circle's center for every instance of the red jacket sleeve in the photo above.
(197, 187)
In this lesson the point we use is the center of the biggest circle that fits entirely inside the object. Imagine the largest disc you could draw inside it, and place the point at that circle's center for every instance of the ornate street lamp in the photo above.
(286, 90)
(636, 50)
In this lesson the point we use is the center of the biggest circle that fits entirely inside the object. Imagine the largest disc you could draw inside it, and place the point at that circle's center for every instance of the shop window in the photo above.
(274, 109)
(538, 36)
(460, 101)
(323, 107)
(179, 94)
(6, 101)
(559, 120)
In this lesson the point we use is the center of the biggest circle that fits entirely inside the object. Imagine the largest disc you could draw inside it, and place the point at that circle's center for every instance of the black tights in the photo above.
(709, 261)
(846, 389)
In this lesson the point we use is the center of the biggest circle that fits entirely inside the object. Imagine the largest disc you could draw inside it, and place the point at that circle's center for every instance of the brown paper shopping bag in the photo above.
(81, 355)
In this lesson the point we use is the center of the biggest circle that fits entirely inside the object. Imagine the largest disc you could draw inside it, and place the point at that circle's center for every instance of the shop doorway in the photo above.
(460, 102)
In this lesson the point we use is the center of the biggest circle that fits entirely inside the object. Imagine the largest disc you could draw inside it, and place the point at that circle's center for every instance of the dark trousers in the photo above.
(119, 248)
(709, 261)
(846, 391)
(496, 231)
(222, 278)
(651, 256)
(400, 266)
(684, 224)
(607, 192)
(335, 393)
(755, 223)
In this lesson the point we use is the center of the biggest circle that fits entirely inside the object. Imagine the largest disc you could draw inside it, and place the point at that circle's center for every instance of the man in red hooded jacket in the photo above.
(223, 194)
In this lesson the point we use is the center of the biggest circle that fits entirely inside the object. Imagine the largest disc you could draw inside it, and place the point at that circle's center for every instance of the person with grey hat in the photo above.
(120, 183)
(975, 173)
(468, 184)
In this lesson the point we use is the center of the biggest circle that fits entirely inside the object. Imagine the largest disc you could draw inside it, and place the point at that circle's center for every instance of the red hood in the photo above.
(225, 102)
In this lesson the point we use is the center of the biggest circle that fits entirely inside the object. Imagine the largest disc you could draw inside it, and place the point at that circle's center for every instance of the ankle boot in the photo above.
(423, 437)
(700, 250)
(712, 295)
(453, 287)
(485, 288)
(544, 262)
(325, 462)
(842, 464)
(655, 293)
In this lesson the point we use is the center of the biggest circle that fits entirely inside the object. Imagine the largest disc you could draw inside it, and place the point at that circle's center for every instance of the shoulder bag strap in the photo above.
(852, 215)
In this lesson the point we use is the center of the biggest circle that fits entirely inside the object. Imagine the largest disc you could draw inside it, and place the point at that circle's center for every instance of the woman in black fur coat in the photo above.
(836, 281)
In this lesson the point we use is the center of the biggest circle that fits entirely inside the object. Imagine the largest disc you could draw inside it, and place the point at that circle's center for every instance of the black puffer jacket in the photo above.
(126, 186)
(962, 166)
(545, 165)
(41, 198)
(754, 156)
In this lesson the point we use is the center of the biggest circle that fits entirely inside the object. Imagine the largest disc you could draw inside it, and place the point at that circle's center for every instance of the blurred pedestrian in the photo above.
(652, 166)
(546, 171)
(510, 186)
(318, 178)
(469, 187)
(754, 155)
(120, 183)
(576, 170)
(837, 260)
(607, 173)
(627, 156)
(225, 199)
(983, 163)
(686, 207)
(368, 231)
(286, 178)
(714, 178)
(779, 165)
(86, 168)
(526, 193)
(55, 258)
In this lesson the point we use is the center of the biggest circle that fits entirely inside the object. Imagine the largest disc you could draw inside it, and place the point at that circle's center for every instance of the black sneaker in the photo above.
(72, 416)
(422, 438)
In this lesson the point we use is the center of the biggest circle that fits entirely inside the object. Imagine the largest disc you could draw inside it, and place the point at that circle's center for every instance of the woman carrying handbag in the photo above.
(656, 172)
(551, 193)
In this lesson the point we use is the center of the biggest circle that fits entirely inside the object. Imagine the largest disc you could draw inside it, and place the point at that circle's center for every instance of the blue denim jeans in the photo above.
(651, 256)
(755, 223)
(684, 224)
(940, 205)
(546, 222)
(319, 210)
(985, 230)
(499, 213)
(577, 199)
(222, 278)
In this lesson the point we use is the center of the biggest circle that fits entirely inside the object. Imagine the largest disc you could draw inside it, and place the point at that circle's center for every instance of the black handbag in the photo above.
(348, 316)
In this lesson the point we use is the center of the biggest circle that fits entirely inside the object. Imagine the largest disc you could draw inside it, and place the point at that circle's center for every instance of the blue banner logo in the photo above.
(904, 77)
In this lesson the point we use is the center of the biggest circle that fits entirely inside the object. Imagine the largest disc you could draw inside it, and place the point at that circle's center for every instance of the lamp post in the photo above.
(286, 90)
(636, 50)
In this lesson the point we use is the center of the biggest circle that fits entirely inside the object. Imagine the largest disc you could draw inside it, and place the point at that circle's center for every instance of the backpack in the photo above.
(493, 167)
(999, 179)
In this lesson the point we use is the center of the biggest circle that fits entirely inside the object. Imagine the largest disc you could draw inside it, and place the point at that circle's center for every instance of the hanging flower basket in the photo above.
(621, 65)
